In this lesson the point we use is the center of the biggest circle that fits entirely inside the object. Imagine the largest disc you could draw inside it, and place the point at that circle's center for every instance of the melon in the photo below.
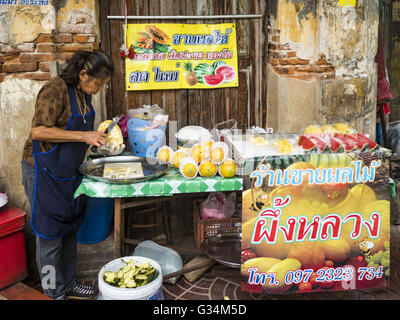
(371, 144)
(203, 69)
(306, 143)
(213, 79)
(321, 144)
(348, 145)
(227, 71)
(333, 144)
(218, 63)
(361, 145)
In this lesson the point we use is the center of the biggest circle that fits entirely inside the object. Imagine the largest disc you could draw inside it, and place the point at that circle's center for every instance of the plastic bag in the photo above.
(123, 124)
(218, 205)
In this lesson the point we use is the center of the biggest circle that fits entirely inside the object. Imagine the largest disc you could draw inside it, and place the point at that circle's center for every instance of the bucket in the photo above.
(145, 143)
(97, 220)
(150, 291)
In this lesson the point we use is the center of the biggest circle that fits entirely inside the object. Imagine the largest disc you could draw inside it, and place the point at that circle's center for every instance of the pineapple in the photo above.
(191, 77)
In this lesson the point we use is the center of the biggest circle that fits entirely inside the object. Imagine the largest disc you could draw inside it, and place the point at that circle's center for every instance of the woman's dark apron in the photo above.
(55, 211)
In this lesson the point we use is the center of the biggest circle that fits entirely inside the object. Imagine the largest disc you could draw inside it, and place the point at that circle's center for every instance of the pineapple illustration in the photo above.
(191, 77)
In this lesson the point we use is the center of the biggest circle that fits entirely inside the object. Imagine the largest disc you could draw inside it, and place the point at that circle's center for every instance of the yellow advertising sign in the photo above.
(347, 3)
(177, 56)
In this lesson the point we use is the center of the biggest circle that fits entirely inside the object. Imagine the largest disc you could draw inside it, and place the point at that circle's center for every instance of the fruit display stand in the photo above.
(168, 185)
(316, 220)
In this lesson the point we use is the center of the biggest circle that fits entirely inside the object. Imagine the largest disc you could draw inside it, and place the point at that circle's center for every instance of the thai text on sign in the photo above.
(316, 224)
(176, 56)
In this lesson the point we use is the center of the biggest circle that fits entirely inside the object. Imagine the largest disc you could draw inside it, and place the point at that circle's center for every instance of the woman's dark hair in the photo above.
(96, 63)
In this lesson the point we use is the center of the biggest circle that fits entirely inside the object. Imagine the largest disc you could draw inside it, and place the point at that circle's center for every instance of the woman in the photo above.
(62, 131)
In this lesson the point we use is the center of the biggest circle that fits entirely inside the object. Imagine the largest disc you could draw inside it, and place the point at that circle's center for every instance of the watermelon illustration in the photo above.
(371, 144)
(213, 79)
(202, 70)
(227, 71)
(321, 144)
(218, 63)
(333, 144)
(361, 145)
(348, 145)
(306, 143)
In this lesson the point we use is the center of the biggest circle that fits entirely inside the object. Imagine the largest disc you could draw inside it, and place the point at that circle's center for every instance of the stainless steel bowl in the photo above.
(224, 248)
(94, 169)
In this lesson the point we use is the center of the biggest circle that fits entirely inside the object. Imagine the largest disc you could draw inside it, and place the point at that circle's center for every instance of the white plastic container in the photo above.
(150, 291)
(169, 260)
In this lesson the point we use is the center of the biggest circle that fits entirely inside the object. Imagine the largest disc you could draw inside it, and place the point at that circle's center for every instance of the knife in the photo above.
(107, 131)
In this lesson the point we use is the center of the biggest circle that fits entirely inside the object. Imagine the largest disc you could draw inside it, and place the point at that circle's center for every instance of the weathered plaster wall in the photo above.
(329, 52)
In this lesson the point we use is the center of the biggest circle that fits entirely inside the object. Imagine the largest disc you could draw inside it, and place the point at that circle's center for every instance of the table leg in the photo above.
(117, 228)
(165, 214)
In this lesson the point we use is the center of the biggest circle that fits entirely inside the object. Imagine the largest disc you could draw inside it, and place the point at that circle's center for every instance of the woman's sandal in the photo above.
(81, 292)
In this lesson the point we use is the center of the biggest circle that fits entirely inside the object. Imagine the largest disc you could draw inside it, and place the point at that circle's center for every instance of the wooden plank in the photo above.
(118, 81)
(105, 45)
(193, 95)
(243, 104)
(136, 99)
(117, 227)
(243, 28)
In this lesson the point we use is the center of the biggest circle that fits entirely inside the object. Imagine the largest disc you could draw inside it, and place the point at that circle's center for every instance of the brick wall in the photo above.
(32, 60)
(285, 61)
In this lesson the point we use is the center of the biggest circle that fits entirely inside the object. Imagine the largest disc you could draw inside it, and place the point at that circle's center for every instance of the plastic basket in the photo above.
(145, 143)
(204, 228)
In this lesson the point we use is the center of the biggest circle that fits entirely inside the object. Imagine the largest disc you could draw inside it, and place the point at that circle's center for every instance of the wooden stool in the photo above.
(140, 206)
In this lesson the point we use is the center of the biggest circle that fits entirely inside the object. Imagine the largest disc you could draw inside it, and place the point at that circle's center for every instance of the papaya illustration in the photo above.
(157, 35)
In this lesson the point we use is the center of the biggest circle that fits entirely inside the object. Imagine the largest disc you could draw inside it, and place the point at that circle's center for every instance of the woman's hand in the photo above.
(56, 135)
(96, 138)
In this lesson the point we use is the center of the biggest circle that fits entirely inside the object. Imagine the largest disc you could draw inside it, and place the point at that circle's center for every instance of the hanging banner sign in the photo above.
(178, 56)
(316, 222)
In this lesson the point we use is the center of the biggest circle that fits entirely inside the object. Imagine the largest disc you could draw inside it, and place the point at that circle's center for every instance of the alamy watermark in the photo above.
(48, 277)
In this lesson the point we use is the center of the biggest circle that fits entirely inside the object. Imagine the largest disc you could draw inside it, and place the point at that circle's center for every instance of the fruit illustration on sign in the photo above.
(158, 35)
(203, 69)
(213, 79)
(191, 77)
(144, 40)
(215, 74)
(227, 71)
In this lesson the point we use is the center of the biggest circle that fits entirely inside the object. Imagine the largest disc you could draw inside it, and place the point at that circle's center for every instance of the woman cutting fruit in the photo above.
(62, 131)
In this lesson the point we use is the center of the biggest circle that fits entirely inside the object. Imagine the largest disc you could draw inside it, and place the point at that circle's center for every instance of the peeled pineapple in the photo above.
(115, 141)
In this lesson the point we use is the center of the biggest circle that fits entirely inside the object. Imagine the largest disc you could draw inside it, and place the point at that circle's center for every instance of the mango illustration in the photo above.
(263, 264)
(281, 269)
